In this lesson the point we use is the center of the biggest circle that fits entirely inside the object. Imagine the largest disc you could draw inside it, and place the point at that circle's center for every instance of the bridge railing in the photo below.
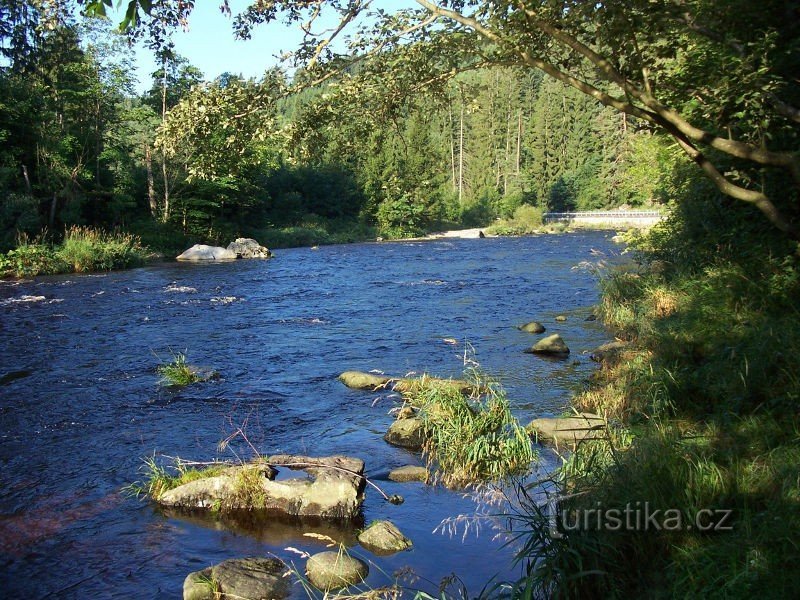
(611, 215)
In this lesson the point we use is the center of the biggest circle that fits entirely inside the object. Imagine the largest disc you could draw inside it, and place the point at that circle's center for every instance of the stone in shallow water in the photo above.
(568, 430)
(335, 570)
(203, 252)
(248, 248)
(384, 538)
(253, 578)
(532, 327)
(408, 473)
(406, 433)
(552, 344)
(334, 491)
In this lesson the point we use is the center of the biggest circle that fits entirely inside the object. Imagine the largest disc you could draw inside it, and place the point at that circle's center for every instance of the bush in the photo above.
(86, 249)
(470, 439)
(526, 220)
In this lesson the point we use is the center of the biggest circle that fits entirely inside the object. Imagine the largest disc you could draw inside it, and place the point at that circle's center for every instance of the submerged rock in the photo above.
(568, 430)
(408, 473)
(334, 490)
(406, 433)
(552, 344)
(254, 578)
(203, 252)
(561, 318)
(335, 570)
(248, 248)
(384, 538)
(532, 327)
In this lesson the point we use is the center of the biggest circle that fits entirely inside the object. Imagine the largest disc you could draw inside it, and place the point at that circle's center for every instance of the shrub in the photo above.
(178, 372)
(470, 439)
(86, 249)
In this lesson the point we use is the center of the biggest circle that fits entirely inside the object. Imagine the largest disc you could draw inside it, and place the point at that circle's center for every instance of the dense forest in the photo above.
(462, 112)
(81, 148)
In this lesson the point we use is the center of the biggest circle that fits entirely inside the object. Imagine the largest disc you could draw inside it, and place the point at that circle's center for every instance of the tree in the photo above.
(718, 77)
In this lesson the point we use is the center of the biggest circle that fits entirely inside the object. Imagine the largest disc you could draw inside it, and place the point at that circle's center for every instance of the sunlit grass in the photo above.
(470, 439)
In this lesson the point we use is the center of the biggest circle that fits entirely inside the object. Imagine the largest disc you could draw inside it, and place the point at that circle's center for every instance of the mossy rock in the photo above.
(335, 570)
(384, 538)
(262, 578)
(532, 327)
(408, 473)
(406, 433)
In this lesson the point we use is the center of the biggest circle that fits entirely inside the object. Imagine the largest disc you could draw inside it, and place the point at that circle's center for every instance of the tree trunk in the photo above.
(28, 187)
(461, 157)
(53, 206)
(151, 188)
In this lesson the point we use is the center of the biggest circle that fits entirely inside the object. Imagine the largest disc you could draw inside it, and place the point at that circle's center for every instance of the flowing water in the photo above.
(80, 403)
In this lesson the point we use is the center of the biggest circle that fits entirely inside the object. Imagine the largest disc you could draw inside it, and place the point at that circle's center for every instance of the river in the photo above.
(80, 403)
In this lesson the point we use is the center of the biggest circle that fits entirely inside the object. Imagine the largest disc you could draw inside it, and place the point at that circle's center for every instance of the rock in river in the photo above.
(532, 327)
(203, 252)
(406, 433)
(248, 248)
(552, 344)
(335, 489)
(335, 570)
(408, 473)
(568, 430)
(383, 538)
(255, 578)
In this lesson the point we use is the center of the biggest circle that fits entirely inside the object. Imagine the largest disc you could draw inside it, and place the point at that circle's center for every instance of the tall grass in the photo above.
(470, 439)
(83, 250)
(708, 392)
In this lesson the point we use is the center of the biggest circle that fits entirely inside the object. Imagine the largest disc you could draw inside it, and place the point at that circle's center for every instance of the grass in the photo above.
(158, 479)
(526, 220)
(83, 250)
(177, 372)
(470, 439)
(707, 397)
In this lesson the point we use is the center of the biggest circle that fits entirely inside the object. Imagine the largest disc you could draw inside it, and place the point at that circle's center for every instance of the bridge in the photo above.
(606, 219)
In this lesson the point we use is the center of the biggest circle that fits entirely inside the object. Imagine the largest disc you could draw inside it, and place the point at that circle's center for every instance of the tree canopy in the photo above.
(718, 76)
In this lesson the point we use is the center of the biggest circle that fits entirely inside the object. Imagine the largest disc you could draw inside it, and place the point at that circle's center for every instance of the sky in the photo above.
(210, 44)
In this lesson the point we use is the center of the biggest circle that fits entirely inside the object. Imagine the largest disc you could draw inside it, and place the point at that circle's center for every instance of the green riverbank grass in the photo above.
(707, 397)
(470, 439)
(83, 250)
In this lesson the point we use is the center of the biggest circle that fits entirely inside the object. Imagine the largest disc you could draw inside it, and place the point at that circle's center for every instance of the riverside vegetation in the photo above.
(444, 115)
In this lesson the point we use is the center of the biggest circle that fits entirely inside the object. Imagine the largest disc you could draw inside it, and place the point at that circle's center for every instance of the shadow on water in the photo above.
(81, 406)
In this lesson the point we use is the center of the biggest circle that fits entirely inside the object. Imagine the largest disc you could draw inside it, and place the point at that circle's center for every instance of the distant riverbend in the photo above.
(81, 404)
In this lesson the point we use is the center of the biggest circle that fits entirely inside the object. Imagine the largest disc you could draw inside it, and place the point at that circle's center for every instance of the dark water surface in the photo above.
(80, 404)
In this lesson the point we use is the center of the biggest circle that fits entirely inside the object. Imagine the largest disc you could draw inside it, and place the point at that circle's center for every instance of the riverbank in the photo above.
(694, 492)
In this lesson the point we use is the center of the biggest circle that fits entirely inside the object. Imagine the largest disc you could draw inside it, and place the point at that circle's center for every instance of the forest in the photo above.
(459, 113)
(80, 148)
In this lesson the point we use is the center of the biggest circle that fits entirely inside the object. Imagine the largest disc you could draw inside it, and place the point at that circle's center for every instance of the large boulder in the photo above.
(552, 345)
(406, 433)
(568, 430)
(254, 578)
(408, 473)
(383, 538)
(201, 252)
(248, 248)
(532, 327)
(335, 570)
(334, 489)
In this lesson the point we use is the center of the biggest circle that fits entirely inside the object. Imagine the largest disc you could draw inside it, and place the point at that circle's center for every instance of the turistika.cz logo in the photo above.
(635, 516)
